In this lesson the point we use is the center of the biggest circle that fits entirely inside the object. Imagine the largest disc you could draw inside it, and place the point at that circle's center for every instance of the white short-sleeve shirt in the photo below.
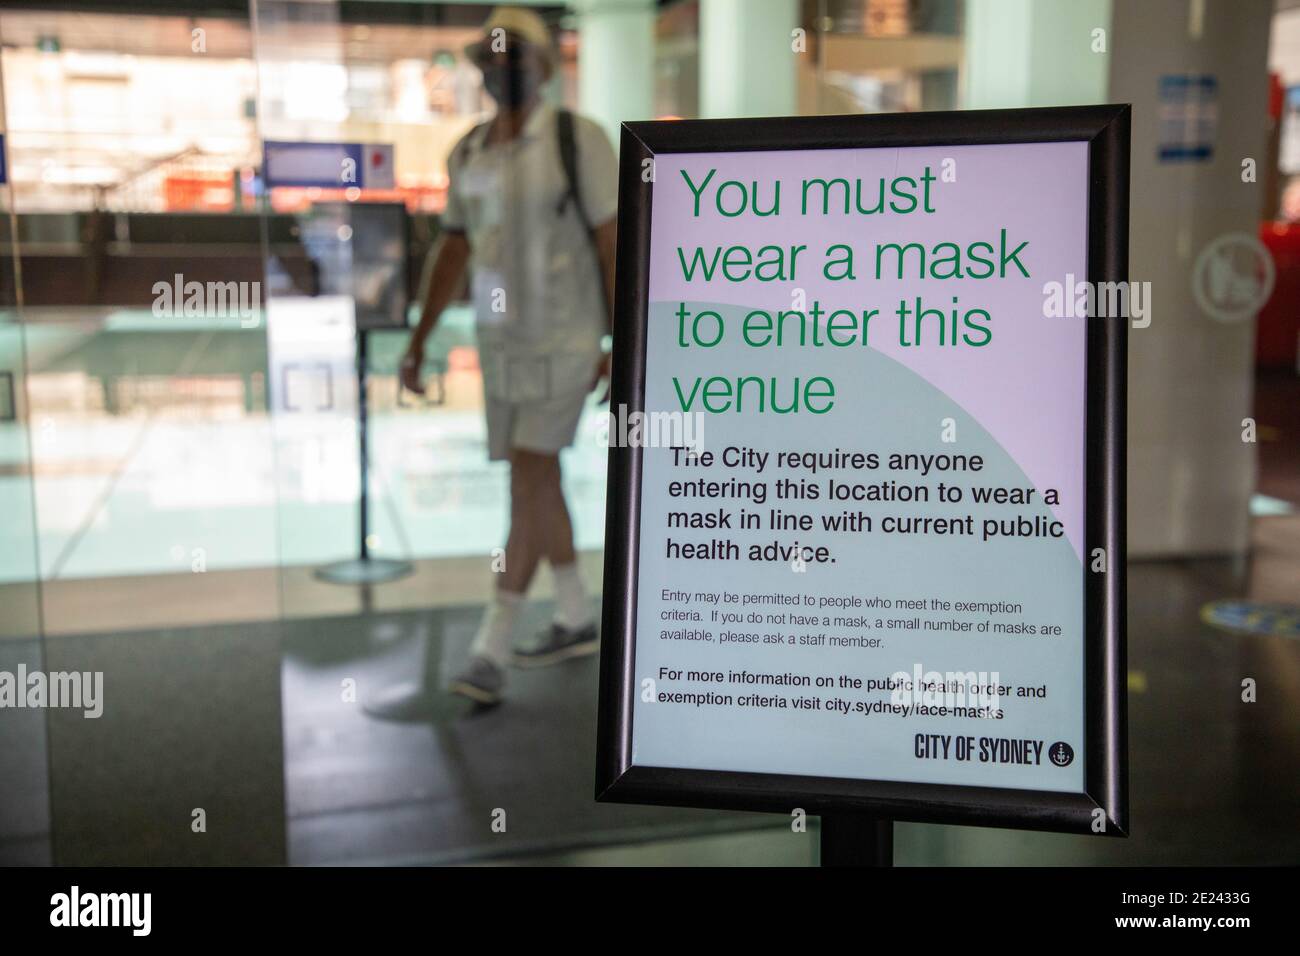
(534, 276)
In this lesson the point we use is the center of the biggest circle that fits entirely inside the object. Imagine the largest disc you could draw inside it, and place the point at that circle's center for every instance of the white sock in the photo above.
(572, 607)
(497, 627)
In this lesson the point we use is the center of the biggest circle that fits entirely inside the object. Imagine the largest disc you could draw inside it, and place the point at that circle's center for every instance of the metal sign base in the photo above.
(849, 839)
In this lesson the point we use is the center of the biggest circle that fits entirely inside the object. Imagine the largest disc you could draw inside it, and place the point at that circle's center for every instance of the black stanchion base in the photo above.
(425, 700)
(364, 571)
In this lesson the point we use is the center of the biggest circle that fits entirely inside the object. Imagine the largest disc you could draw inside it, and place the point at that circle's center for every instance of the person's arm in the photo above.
(449, 262)
(606, 245)
(598, 187)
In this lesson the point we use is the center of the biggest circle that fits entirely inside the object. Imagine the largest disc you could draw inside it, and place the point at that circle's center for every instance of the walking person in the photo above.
(531, 215)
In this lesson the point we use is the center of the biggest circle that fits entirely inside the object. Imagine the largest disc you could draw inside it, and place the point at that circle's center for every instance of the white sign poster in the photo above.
(862, 549)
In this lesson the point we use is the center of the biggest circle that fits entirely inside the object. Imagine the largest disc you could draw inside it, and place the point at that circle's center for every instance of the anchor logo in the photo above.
(1061, 754)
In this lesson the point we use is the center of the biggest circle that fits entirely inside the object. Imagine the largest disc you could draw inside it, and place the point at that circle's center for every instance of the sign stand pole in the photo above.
(851, 839)
(364, 569)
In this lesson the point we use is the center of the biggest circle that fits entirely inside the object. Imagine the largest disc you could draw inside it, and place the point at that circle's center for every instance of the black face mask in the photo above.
(510, 84)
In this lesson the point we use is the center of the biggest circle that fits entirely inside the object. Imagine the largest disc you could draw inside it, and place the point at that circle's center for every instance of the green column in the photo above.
(747, 62)
(1036, 52)
(615, 61)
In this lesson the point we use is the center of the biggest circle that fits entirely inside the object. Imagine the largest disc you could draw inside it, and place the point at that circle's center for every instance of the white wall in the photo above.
(1190, 377)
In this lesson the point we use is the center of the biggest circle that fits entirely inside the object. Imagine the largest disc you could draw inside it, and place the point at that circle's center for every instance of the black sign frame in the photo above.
(1106, 131)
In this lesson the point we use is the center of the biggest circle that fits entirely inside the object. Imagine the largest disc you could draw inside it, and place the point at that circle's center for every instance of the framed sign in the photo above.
(865, 529)
(370, 264)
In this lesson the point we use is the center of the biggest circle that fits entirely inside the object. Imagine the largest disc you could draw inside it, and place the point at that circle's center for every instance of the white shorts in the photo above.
(541, 426)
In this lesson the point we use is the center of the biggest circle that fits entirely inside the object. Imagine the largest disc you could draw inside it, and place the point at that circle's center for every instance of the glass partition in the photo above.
(145, 534)
(24, 762)
(389, 506)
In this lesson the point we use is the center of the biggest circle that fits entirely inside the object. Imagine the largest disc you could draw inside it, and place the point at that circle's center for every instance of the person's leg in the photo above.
(558, 546)
(533, 476)
(573, 630)
(540, 528)
(523, 553)
(572, 605)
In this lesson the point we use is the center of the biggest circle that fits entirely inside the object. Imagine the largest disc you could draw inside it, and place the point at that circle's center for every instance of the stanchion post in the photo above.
(362, 360)
(851, 839)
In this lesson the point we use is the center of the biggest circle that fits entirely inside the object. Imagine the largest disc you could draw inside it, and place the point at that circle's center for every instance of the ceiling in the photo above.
(156, 35)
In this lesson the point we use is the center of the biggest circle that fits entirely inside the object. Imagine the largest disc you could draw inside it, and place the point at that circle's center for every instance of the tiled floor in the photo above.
(253, 724)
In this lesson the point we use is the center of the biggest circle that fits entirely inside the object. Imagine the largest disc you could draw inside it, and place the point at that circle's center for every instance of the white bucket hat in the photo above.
(517, 22)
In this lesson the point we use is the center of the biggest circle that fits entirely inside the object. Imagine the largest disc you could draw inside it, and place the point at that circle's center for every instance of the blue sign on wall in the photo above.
(328, 165)
(1189, 117)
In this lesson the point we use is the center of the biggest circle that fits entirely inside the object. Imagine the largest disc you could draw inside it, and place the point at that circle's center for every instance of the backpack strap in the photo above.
(567, 136)
(568, 140)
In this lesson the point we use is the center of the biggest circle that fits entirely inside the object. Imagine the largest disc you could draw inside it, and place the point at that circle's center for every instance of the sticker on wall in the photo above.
(1253, 617)
(1233, 277)
(1189, 117)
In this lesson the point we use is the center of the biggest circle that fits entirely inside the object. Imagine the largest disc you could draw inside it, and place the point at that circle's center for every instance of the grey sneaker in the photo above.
(558, 643)
(481, 681)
